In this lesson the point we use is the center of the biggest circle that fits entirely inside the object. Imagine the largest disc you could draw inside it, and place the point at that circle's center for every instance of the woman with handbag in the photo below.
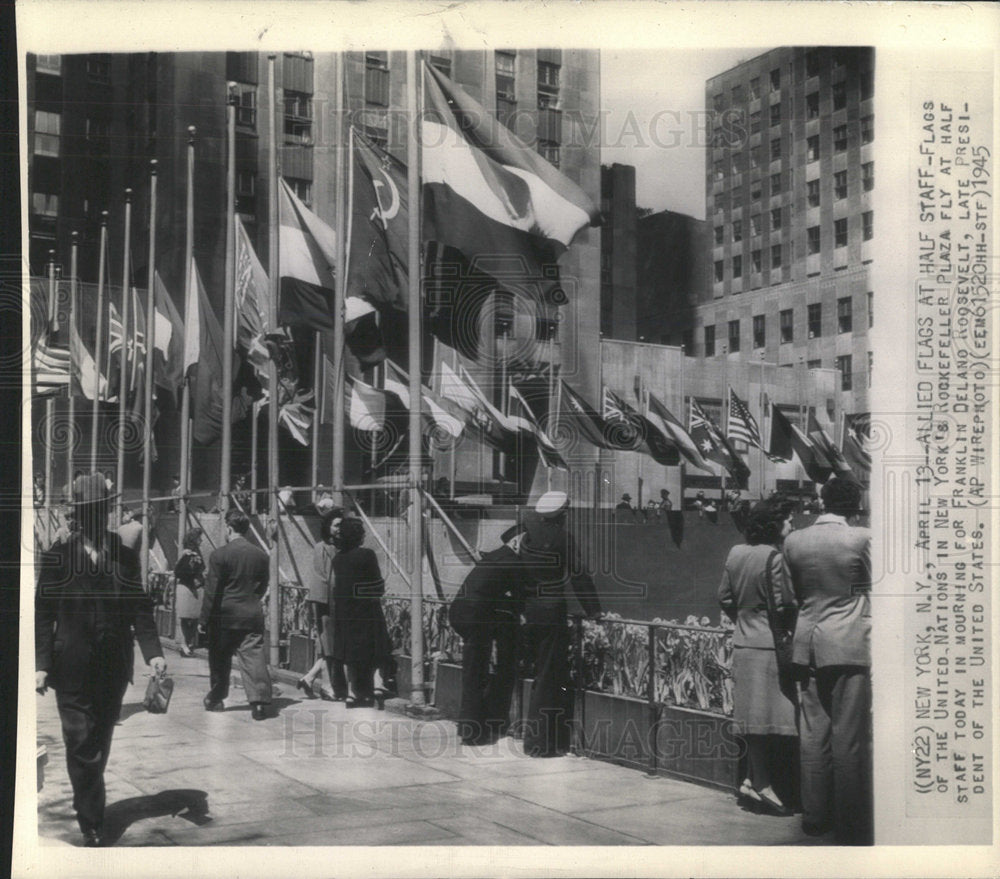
(756, 594)
(190, 574)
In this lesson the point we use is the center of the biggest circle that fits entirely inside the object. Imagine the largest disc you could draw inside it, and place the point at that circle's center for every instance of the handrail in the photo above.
(476, 555)
(385, 549)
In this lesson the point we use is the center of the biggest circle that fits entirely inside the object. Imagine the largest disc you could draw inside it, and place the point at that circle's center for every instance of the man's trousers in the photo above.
(485, 697)
(547, 724)
(248, 648)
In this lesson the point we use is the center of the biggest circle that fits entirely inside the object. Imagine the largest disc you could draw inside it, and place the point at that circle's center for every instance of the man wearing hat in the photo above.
(89, 605)
(625, 506)
(551, 559)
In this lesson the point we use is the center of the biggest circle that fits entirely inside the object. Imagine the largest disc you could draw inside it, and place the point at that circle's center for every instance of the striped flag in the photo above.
(366, 406)
(307, 255)
(651, 439)
(742, 426)
(50, 363)
(714, 446)
(857, 442)
(523, 419)
(251, 298)
(491, 424)
(661, 416)
(821, 439)
(433, 408)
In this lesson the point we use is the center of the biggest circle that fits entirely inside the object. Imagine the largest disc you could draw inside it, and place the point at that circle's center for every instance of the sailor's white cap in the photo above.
(551, 503)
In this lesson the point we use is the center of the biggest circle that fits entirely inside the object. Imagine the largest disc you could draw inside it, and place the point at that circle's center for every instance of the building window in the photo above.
(548, 76)
(814, 320)
(49, 64)
(776, 79)
(718, 102)
(812, 239)
(710, 341)
(871, 360)
(812, 62)
(734, 336)
(812, 193)
(840, 139)
(755, 262)
(755, 88)
(840, 232)
(868, 176)
(867, 84)
(719, 271)
(506, 100)
(298, 117)
(302, 188)
(839, 95)
(775, 112)
(736, 163)
(97, 130)
(871, 309)
(814, 364)
(737, 230)
(844, 366)
(45, 204)
(775, 149)
(755, 191)
(867, 129)
(755, 122)
(246, 105)
(737, 197)
(775, 256)
(775, 218)
(755, 224)
(868, 225)
(840, 185)
(776, 183)
(755, 157)
(737, 94)
(737, 266)
(785, 326)
(719, 201)
(719, 234)
(99, 68)
(812, 148)
(246, 190)
(845, 320)
(47, 127)
(812, 105)
(718, 170)
(549, 150)
(759, 334)
(377, 78)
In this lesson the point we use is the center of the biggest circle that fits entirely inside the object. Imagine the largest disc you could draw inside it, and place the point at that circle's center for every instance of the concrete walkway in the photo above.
(319, 774)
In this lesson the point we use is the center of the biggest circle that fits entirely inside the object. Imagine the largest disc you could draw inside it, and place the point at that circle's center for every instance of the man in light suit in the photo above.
(830, 564)
(232, 615)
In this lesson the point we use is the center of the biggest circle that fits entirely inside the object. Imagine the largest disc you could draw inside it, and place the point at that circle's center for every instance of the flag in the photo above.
(51, 367)
(487, 192)
(662, 417)
(306, 264)
(714, 446)
(366, 406)
(295, 412)
(742, 426)
(856, 443)
(433, 409)
(203, 353)
(651, 440)
(90, 382)
(786, 438)
(822, 441)
(780, 446)
(588, 424)
(90, 371)
(252, 299)
(524, 420)
(363, 331)
(168, 351)
(480, 414)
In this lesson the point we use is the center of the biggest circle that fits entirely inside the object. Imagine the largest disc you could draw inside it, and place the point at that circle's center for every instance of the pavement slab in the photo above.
(318, 774)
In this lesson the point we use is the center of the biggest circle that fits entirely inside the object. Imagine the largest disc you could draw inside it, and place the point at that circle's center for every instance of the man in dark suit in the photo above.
(88, 607)
(830, 564)
(550, 555)
(486, 611)
(233, 618)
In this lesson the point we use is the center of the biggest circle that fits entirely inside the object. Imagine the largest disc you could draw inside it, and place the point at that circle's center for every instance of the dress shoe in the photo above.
(307, 690)
(747, 798)
(771, 806)
(213, 706)
(258, 711)
(92, 838)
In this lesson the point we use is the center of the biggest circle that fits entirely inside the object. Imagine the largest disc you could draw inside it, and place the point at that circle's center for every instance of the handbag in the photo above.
(158, 693)
(782, 637)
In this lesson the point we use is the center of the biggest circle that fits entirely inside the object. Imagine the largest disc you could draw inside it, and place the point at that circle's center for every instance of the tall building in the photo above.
(788, 190)
(618, 253)
(95, 121)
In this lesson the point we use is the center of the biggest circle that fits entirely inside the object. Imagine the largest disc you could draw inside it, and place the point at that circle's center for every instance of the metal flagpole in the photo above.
(318, 399)
(98, 344)
(123, 360)
(340, 280)
(452, 467)
(273, 269)
(189, 293)
(50, 403)
(73, 367)
(229, 317)
(254, 430)
(413, 267)
(147, 408)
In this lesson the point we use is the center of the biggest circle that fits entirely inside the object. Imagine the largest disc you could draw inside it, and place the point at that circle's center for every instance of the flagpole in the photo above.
(340, 282)
(189, 293)
(274, 607)
(147, 421)
(504, 404)
(123, 360)
(413, 267)
(318, 390)
(71, 416)
(98, 344)
(50, 403)
(452, 464)
(254, 430)
(229, 318)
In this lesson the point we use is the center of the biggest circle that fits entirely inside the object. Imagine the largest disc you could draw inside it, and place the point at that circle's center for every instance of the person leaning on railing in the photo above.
(764, 703)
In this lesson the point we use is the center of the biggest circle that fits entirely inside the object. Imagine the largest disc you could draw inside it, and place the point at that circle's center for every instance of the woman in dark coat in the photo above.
(190, 574)
(764, 703)
(360, 638)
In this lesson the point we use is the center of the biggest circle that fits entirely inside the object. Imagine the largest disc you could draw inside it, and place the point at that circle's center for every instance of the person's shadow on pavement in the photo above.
(187, 803)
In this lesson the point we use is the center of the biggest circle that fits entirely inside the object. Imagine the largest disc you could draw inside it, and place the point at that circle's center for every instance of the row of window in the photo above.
(730, 135)
(547, 101)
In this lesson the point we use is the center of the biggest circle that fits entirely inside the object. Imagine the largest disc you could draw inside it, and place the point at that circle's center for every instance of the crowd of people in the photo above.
(800, 601)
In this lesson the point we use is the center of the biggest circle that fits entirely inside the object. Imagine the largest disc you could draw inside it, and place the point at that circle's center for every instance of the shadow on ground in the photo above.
(186, 803)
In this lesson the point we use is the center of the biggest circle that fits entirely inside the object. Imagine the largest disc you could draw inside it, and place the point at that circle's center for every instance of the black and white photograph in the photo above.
(492, 437)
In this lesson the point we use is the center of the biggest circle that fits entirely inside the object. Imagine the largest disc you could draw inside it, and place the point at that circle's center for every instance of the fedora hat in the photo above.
(91, 488)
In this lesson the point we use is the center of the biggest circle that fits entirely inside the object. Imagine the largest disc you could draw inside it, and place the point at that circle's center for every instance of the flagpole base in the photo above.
(422, 711)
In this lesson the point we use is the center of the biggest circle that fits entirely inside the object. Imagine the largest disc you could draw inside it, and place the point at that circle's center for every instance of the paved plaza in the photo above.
(318, 774)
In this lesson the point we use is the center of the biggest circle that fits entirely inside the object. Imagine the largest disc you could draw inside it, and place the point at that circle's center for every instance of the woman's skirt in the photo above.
(759, 705)
(188, 602)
